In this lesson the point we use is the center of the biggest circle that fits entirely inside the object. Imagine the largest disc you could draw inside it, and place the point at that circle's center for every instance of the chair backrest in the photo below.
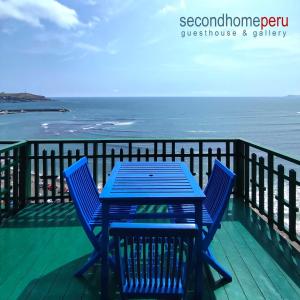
(84, 193)
(153, 258)
(217, 192)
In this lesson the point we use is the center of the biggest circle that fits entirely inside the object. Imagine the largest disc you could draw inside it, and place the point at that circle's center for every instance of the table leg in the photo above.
(199, 260)
(105, 249)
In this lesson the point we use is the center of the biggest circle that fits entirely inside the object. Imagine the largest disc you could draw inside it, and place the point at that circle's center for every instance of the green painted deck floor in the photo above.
(43, 245)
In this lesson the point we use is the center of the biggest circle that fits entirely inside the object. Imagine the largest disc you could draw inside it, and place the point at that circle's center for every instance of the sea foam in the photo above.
(201, 131)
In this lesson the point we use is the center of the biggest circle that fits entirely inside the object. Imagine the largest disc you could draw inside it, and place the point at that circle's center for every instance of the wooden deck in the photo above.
(43, 245)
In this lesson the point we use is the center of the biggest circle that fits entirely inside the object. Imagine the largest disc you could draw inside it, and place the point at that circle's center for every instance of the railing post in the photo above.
(201, 164)
(280, 197)
(7, 181)
(270, 188)
(61, 170)
(261, 185)
(247, 173)
(25, 174)
(104, 163)
(239, 168)
(292, 205)
(253, 180)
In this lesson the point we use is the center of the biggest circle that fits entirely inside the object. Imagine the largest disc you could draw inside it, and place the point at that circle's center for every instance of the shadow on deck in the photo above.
(43, 245)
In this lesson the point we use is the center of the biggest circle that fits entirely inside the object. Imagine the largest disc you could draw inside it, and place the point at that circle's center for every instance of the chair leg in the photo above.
(211, 260)
(94, 257)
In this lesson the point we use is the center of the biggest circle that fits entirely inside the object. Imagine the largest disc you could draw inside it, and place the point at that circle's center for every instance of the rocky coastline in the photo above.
(21, 97)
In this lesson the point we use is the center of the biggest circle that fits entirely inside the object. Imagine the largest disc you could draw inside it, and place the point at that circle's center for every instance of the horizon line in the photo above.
(170, 96)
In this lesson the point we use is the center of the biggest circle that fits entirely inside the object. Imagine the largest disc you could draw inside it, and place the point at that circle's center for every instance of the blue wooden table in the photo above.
(150, 183)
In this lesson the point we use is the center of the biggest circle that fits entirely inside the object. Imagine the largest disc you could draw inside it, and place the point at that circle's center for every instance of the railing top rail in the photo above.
(287, 157)
(134, 140)
(9, 141)
(13, 146)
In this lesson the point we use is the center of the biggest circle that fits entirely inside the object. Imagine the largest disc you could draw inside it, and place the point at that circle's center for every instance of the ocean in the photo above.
(271, 122)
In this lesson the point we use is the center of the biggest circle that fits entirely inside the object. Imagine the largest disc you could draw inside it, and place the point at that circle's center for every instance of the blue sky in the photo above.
(134, 48)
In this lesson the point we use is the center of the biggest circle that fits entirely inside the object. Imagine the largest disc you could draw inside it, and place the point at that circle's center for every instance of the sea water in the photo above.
(272, 122)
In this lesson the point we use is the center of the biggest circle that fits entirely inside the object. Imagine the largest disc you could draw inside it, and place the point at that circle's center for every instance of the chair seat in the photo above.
(190, 208)
(116, 213)
(150, 289)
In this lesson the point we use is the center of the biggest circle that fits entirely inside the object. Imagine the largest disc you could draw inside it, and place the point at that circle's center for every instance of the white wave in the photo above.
(298, 112)
(88, 128)
(118, 123)
(201, 131)
(72, 130)
(124, 123)
(45, 125)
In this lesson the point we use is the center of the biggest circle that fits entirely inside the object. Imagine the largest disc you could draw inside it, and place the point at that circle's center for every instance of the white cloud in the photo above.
(112, 8)
(34, 11)
(8, 30)
(94, 22)
(88, 47)
(152, 41)
(91, 2)
(110, 48)
(172, 8)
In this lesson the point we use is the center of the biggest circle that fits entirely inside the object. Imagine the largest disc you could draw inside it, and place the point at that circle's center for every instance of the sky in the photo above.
(134, 48)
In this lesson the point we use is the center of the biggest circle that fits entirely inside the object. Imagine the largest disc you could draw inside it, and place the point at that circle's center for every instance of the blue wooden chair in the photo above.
(85, 196)
(153, 259)
(217, 193)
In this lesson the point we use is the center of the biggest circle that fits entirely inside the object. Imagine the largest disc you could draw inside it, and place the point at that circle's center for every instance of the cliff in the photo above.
(21, 97)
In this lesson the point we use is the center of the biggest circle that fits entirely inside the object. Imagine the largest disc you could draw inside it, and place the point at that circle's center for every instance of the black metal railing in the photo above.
(269, 182)
(266, 180)
(13, 177)
(49, 158)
